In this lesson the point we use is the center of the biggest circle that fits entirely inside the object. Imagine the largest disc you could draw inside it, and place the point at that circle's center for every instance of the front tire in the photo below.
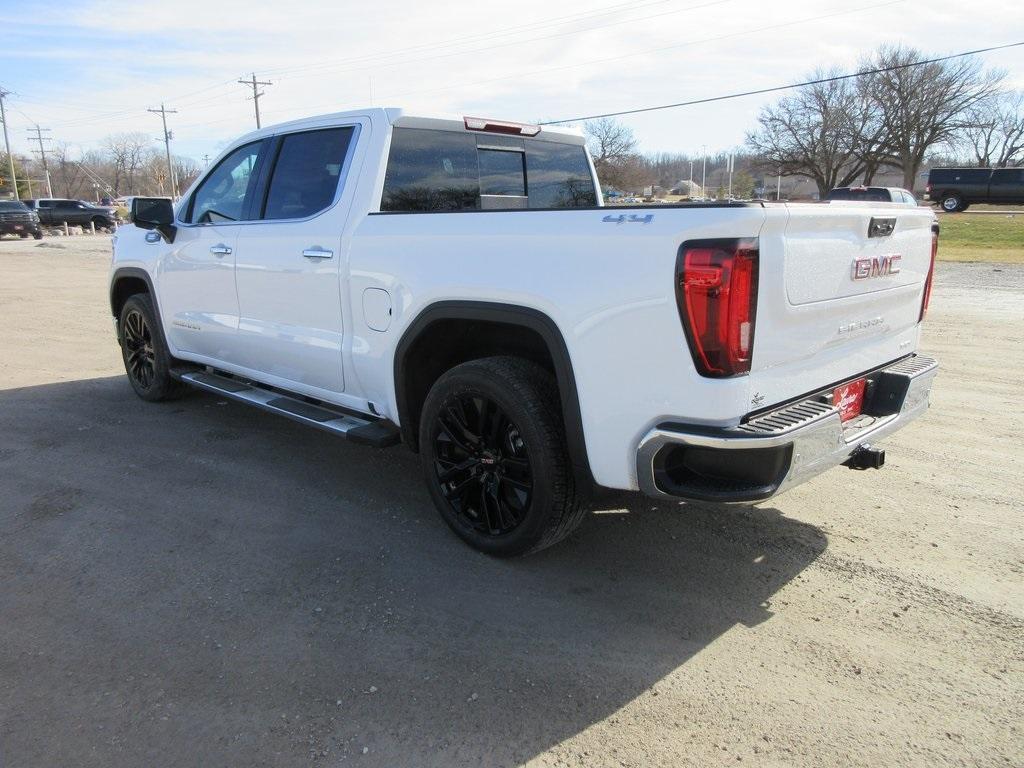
(493, 450)
(144, 351)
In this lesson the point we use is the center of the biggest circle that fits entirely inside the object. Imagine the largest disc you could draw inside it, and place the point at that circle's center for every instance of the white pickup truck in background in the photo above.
(456, 284)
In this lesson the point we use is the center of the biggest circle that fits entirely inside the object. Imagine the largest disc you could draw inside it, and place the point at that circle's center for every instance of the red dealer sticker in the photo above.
(849, 399)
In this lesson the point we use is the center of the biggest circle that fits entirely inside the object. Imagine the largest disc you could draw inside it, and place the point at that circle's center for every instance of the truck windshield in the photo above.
(12, 206)
(431, 170)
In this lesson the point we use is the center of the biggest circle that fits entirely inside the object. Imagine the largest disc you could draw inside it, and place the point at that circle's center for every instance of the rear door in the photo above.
(1007, 186)
(290, 260)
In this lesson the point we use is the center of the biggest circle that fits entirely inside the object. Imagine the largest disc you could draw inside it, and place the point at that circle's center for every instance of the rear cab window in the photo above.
(440, 170)
(864, 194)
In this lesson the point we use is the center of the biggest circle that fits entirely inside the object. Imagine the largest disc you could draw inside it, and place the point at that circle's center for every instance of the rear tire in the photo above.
(37, 235)
(144, 351)
(952, 204)
(494, 456)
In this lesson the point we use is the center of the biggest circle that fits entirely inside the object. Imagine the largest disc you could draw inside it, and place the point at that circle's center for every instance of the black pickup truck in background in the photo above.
(75, 213)
(17, 219)
(954, 189)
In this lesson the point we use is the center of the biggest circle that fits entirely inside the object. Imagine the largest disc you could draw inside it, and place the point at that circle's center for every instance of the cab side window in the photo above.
(306, 173)
(224, 195)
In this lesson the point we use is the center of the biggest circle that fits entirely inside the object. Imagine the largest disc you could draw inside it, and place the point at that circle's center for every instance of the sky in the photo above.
(89, 69)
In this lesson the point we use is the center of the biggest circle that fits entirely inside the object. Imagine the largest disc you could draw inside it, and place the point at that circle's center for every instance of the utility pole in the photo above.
(7, 143)
(689, 191)
(163, 112)
(778, 186)
(732, 165)
(703, 170)
(42, 154)
(256, 93)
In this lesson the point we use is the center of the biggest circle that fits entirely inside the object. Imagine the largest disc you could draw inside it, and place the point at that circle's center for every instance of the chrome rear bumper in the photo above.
(774, 451)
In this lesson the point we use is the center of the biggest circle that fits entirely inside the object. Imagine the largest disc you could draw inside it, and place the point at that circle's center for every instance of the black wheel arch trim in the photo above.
(136, 272)
(509, 314)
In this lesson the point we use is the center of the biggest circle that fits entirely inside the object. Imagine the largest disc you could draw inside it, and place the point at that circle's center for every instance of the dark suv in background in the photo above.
(954, 189)
(75, 213)
(17, 219)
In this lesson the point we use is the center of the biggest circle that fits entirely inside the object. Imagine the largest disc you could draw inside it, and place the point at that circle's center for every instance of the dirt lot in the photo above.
(198, 584)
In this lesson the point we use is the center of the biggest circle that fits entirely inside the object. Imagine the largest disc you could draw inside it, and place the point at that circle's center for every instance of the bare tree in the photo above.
(994, 132)
(613, 148)
(923, 105)
(127, 152)
(67, 176)
(816, 133)
(186, 170)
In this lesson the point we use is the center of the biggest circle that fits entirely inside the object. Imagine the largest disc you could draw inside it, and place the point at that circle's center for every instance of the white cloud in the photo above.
(91, 69)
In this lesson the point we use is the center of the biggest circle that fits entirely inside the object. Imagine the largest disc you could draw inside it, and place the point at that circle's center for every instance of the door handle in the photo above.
(220, 250)
(317, 253)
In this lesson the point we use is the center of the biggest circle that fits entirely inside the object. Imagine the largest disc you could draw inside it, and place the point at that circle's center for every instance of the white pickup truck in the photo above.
(455, 284)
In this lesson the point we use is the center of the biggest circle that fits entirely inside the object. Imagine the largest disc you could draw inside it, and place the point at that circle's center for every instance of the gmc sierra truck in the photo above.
(54, 212)
(455, 284)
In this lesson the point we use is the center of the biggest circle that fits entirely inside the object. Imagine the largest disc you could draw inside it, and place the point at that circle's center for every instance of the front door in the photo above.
(288, 265)
(198, 300)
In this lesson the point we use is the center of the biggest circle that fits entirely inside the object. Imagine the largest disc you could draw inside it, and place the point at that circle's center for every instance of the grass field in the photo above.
(982, 237)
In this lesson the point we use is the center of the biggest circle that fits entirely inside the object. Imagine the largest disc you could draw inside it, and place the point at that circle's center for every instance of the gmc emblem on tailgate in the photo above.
(877, 266)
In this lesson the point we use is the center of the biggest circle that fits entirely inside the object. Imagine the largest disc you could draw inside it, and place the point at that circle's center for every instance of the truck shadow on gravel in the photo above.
(199, 583)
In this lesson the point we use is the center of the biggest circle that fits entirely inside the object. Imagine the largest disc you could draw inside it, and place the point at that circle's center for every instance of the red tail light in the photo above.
(716, 289)
(931, 272)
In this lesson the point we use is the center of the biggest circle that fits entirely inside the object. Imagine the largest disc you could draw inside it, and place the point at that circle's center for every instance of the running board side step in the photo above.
(379, 433)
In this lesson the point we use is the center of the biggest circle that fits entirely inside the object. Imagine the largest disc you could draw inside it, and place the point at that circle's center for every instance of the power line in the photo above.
(327, 67)
(256, 94)
(373, 59)
(164, 112)
(650, 51)
(759, 91)
(42, 154)
(553, 21)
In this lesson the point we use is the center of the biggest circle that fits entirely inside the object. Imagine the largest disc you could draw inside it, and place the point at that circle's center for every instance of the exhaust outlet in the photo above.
(866, 457)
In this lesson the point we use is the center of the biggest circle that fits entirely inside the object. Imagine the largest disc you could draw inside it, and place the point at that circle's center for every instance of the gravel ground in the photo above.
(197, 583)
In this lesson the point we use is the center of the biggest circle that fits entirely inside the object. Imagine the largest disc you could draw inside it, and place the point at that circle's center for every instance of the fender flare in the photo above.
(136, 272)
(508, 314)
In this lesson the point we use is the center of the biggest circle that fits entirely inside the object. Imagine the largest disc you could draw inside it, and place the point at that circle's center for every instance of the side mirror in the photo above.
(154, 213)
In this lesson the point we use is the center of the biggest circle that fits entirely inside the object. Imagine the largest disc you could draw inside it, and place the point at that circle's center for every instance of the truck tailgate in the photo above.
(835, 300)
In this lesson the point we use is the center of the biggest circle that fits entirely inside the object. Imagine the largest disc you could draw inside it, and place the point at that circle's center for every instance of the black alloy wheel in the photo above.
(147, 361)
(482, 464)
(493, 450)
(139, 355)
